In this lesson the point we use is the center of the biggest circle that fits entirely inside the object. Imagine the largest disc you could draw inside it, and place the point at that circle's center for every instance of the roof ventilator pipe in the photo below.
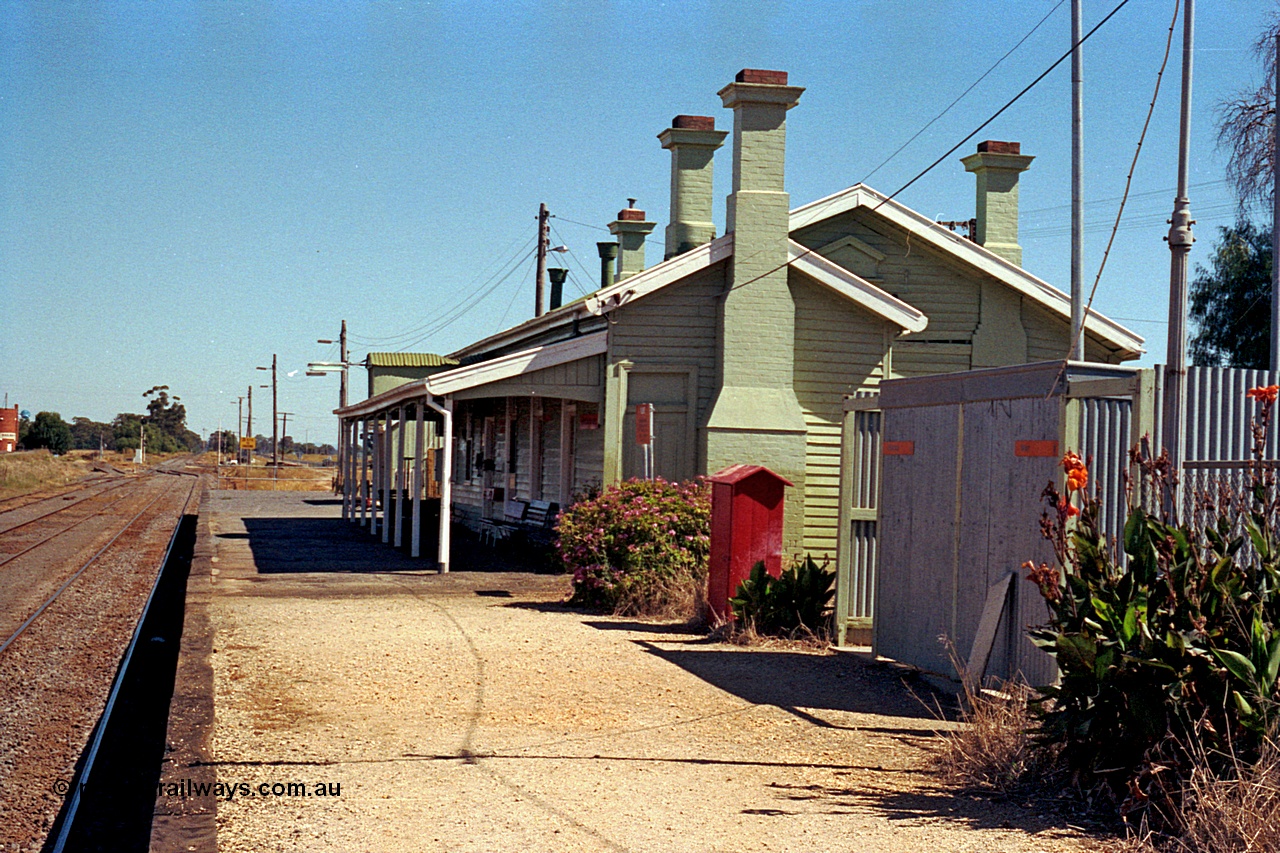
(608, 253)
(557, 276)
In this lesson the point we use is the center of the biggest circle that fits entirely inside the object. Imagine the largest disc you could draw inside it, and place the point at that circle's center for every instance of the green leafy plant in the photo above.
(639, 547)
(1177, 643)
(792, 604)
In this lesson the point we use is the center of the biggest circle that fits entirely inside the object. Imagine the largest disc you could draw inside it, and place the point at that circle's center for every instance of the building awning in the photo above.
(409, 359)
(482, 373)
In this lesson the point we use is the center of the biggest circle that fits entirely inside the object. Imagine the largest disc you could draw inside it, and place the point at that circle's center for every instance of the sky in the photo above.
(187, 188)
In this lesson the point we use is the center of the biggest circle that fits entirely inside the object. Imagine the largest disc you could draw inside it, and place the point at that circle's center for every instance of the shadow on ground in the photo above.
(283, 545)
(805, 684)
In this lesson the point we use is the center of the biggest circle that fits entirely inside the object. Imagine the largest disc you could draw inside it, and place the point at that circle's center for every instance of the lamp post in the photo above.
(320, 369)
(275, 435)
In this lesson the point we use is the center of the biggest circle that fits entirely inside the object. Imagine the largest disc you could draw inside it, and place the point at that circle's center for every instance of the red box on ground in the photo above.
(746, 528)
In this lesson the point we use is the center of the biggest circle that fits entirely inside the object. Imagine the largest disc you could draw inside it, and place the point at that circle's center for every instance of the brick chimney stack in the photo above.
(756, 416)
(692, 141)
(997, 166)
(631, 229)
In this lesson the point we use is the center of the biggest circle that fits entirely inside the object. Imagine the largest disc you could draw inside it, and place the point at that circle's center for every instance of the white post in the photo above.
(415, 535)
(364, 472)
(400, 476)
(342, 474)
(446, 476)
(375, 475)
(385, 469)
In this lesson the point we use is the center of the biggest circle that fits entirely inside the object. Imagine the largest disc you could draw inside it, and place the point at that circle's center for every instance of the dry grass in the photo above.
(678, 599)
(1238, 812)
(992, 749)
(21, 473)
(747, 635)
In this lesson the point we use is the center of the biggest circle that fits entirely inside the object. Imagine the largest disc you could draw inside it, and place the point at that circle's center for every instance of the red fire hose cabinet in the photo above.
(746, 527)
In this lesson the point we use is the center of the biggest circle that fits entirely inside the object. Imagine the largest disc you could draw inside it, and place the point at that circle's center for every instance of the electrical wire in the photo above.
(652, 240)
(1008, 104)
(956, 147)
(1133, 165)
(401, 336)
(576, 259)
(1128, 181)
(503, 318)
(972, 85)
(462, 309)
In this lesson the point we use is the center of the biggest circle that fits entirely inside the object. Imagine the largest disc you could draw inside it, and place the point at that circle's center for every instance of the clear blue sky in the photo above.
(190, 187)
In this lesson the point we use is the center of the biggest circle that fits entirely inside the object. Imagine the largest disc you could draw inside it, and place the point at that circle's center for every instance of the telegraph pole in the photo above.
(239, 426)
(1077, 186)
(1180, 239)
(275, 440)
(248, 427)
(544, 241)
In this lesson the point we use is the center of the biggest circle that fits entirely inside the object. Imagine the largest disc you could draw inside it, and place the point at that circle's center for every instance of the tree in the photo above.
(1231, 301)
(85, 433)
(1245, 127)
(51, 431)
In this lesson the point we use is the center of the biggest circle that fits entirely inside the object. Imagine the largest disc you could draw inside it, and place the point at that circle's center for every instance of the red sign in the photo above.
(899, 448)
(588, 420)
(1035, 448)
(644, 423)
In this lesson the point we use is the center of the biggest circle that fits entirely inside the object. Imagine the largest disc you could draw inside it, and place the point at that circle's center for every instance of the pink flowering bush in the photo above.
(640, 547)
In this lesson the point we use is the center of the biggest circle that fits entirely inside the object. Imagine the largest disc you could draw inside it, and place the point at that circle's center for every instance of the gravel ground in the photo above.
(57, 674)
(470, 712)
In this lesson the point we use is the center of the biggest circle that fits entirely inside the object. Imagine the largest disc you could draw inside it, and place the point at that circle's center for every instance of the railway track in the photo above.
(70, 604)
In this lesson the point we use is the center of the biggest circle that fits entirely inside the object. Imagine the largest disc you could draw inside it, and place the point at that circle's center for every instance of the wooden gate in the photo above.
(857, 548)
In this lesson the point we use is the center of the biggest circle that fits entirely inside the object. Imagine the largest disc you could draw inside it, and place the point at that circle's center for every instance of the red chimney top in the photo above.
(694, 123)
(991, 146)
(756, 75)
(630, 214)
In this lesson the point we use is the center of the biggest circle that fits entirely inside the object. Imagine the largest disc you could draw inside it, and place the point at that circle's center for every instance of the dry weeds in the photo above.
(992, 749)
(21, 473)
(1234, 813)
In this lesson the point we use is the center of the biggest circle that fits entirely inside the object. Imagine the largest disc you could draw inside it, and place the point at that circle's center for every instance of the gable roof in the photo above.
(943, 239)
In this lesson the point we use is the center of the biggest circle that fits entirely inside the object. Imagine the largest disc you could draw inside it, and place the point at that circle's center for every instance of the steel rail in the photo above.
(86, 767)
(80, 571)
(63, 507)
(55, 535)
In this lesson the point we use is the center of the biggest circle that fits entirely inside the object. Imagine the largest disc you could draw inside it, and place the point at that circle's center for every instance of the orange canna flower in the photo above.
(1065, 507)
(1077, 473)
(1265, 394)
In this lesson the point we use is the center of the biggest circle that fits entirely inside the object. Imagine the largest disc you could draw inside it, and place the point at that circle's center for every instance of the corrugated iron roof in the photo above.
(409, 359)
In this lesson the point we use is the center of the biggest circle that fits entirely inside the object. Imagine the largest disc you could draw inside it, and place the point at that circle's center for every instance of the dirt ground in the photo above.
(471, 712)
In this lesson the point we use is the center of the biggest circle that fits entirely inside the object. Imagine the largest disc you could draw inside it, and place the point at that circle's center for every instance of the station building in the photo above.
(746, 344)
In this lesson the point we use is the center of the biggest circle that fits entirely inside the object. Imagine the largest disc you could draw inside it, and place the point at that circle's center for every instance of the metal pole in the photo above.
(275, 436)
(1275, 222)
(1180, 239)
(543, 239)
(1077, 185)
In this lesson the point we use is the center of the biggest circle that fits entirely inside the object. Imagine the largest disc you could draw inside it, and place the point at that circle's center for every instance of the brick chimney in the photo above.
(631, 230)
(692, 141)
(755, 416)
(997, 166)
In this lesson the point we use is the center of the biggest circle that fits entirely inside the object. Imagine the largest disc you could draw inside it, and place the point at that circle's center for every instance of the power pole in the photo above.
(284, 427)
(1077, 186)
(248, 427)
(342, 386)
(275, 441)
(544, 241)
(239, 426)
(1180, 239)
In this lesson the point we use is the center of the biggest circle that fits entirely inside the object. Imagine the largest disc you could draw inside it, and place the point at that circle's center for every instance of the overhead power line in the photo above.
(1008, 103)
(972, 86)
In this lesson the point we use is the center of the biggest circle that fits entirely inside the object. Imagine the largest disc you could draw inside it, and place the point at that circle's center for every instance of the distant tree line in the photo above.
(164, 426)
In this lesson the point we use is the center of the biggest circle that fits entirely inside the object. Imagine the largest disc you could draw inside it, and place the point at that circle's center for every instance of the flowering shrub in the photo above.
(639, 547)
(1177, 645)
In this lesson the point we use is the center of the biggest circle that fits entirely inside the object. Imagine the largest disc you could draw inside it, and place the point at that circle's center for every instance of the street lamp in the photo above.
(275, 435)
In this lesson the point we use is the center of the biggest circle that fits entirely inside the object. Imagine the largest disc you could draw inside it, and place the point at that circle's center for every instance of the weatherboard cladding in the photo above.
(838, 352)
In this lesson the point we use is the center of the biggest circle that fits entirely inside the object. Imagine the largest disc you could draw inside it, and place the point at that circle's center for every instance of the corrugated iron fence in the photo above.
(1218, 450)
